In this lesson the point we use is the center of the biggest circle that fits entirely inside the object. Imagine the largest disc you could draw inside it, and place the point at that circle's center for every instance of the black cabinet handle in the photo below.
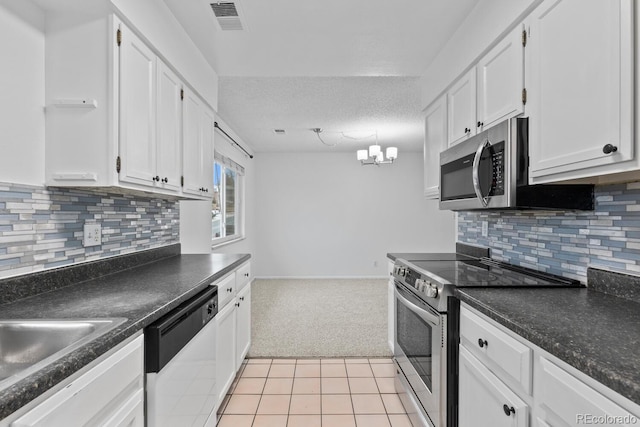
(609, 148)
(241, 298)
(156, 178)
(229, 289)
(165, 180)
(467, 130)
(480, 124)
(482, 343)
(238, 305)
(508, 410)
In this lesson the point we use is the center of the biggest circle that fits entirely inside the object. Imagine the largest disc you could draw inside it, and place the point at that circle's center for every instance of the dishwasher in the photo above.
(180, 364)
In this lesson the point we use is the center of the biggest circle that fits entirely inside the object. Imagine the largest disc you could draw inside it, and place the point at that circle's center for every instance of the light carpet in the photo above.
(319, 318)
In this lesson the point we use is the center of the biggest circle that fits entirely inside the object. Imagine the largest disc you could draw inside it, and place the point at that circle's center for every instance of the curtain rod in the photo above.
(215, 124)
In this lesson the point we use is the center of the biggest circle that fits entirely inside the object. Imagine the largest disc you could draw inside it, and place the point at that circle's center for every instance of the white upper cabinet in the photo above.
(579, 76)
(461, 111)
(198, 146)
(169, 133)
(435, 141)
(137, 110)
(115, 111)
(501, 81)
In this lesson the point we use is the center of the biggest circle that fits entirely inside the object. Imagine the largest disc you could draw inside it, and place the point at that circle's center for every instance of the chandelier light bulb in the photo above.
(374, 150)
(392, 153)
(362, 155)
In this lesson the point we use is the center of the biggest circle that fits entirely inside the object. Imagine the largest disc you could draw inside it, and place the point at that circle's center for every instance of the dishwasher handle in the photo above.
(169, 334)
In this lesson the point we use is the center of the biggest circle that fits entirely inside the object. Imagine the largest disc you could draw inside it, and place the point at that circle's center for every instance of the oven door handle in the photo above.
(476, 173)
(423, 314)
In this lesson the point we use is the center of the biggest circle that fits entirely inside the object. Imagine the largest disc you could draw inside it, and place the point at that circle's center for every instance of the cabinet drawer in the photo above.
(484, 397)
(505, 356)
(243, 275)
(93, 394)
(226, 290)
(566, 398)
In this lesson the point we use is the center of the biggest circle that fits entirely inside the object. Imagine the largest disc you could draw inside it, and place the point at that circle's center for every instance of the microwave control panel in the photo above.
(497, 161)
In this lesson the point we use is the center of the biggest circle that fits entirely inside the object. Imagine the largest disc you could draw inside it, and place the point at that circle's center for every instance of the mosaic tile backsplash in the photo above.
(565, 242)
(42, 228)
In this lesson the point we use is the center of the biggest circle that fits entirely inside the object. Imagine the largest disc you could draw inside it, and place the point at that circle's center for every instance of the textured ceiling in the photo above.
(254, 107)
(339, 65)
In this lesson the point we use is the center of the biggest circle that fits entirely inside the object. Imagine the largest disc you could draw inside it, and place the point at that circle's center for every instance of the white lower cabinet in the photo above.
(233, 321)
(243, 324)
(567, 401)
(484, 399)
(391, 315)
(225, 349)
(518, 375)
(109, 394)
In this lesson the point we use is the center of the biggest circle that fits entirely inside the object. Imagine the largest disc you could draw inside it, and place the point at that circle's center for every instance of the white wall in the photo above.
(486, 24)
(324, 215)
(22, 44)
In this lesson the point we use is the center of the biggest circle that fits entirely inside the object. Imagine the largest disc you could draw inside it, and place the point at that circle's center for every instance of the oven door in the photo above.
(420, 351)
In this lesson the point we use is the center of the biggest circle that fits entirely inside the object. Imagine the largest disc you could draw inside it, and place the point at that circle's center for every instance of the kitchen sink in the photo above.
(29, 345)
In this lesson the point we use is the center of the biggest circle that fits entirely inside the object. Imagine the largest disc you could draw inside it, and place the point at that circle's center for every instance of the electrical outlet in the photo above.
(92, 235)
(485, 228)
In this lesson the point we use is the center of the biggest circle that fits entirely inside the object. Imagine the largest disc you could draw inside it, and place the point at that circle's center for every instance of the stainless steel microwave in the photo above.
(491, 171)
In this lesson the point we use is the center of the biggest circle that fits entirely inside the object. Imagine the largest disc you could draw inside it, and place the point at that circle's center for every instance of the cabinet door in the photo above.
(243, 324)
(198, 146)
(206, 161)
(567, 401)
(500, 81)
(137, 111)
(580, 87)
(391, 316)
(192, 143)
(225, 349)
(108, 393)
(461, 108)
(130, 414)
(484, 400)
(435, 141)
(169, 135)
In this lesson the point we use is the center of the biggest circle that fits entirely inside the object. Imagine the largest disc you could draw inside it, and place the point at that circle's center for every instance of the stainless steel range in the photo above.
(426, 331)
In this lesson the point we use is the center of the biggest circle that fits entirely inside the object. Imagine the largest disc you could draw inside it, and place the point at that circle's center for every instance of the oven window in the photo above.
(414, 336)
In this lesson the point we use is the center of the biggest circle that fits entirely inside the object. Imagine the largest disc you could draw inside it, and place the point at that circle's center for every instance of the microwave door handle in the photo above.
(425, 315)
(476, 172)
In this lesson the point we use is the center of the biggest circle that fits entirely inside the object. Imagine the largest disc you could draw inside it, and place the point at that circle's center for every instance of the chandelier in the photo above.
(374, 155)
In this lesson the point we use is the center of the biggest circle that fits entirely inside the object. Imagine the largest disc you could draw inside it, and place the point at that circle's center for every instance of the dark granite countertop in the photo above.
(141, 295)
(596, 333)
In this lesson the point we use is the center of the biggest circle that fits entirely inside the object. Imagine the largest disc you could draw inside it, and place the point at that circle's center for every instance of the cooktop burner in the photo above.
(476, 273)
(433, 280)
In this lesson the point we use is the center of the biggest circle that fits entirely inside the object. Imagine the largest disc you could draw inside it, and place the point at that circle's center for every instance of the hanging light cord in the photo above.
(317, 131)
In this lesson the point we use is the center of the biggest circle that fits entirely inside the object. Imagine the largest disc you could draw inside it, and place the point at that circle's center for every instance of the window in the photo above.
(227, 203)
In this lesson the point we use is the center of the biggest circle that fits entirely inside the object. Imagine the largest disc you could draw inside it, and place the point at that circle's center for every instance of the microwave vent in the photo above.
(227, 16)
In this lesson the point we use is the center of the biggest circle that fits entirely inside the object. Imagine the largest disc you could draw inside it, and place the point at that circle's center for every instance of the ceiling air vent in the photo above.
(279, 131)
(227, 16)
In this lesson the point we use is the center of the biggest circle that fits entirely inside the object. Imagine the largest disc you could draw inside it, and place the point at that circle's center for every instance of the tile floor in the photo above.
(314, 393)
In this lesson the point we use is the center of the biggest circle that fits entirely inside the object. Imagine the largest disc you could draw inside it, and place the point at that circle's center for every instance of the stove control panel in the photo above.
(399, 271)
